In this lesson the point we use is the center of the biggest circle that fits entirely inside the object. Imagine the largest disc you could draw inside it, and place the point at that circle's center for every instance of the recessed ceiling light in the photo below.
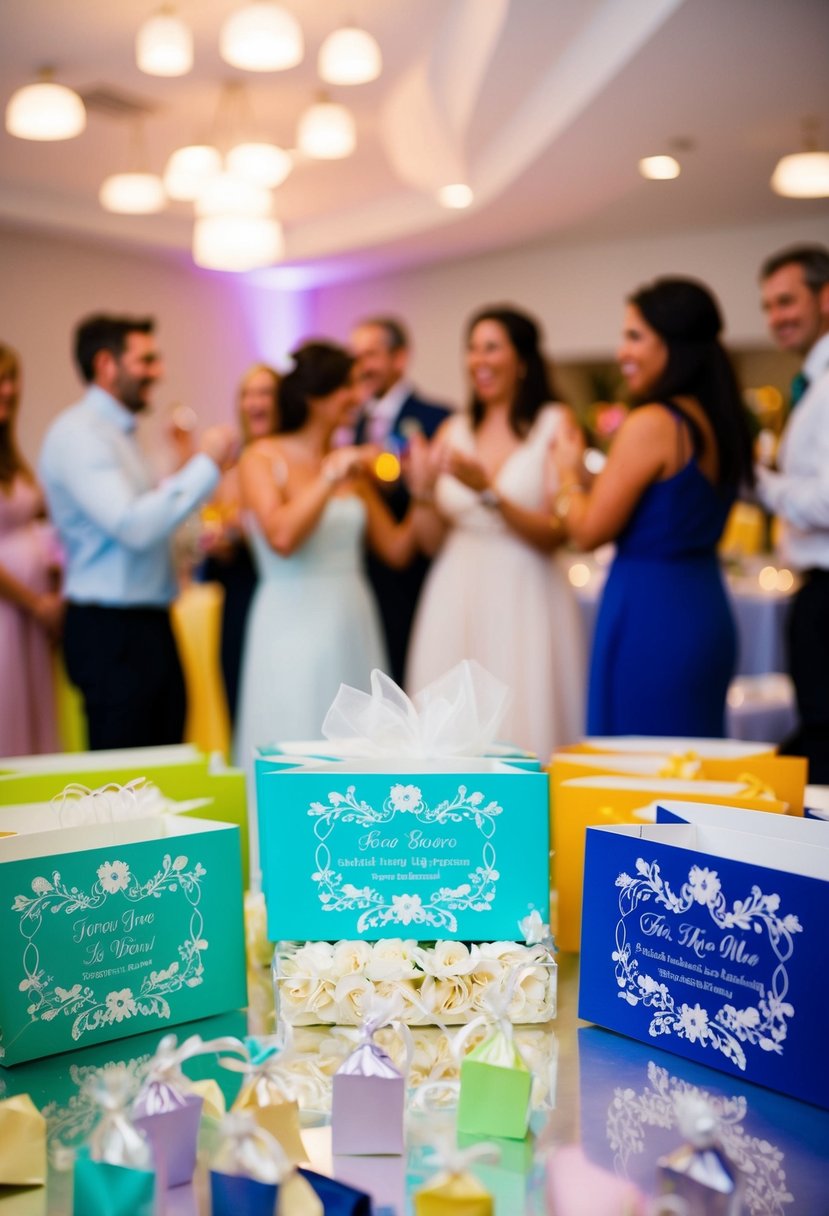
(659, 168)
(457, 196)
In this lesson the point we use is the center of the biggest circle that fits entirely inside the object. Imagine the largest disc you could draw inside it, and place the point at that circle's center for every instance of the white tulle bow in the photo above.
(457, 715)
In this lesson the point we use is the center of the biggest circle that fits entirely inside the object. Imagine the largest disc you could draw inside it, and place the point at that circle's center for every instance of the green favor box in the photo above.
(181, 772)
(113, 929)
(495, 1090)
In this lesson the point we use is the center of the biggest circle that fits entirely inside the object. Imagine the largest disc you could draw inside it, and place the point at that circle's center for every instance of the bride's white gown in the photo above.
(313, 625)
(491, 596)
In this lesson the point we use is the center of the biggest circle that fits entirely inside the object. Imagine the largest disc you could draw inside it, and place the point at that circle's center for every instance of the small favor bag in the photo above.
(495, 1082)
(114, 1176)
(22, 1143)
(369, 1092)
(252, 1176)
(454, 1191)
(168, 1109)
(265, 1096)
(338, 1198)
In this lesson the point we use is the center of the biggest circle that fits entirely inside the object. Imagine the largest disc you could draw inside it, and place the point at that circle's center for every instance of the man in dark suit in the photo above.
(392, 413)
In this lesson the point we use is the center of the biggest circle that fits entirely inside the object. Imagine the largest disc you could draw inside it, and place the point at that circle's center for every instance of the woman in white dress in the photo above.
(313, 624)
(496, 591)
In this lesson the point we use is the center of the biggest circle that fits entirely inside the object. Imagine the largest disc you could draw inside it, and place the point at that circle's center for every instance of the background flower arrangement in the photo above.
(444, 982)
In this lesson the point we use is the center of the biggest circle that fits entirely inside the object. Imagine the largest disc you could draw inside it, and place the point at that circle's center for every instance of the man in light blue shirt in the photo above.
(116, 527)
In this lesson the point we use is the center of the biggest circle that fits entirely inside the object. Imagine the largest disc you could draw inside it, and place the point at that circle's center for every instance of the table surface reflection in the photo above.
(611, 1096)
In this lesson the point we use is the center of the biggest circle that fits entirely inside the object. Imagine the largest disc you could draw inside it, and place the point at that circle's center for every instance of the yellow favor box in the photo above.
(702, 759)
(599, 800)
(22, 1143)
(453, 1194)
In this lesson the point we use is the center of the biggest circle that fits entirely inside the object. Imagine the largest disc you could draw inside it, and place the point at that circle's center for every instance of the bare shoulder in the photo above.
(649, 422)
(259, 450)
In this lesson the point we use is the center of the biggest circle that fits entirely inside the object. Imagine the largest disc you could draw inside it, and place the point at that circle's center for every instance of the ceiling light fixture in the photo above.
(456, 197)
(261, 164)
(133, 194)
(229, 195)
(190, 169)
(164, 44)
(261, 37)
(326, 131)
(803, 174)
(45, 111)
(237, 242)
(349, 56)
(659, 168)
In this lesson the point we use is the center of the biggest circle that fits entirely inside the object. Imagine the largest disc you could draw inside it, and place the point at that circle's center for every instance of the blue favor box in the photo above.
(629, 1095)
(360, 849)
(706, 937)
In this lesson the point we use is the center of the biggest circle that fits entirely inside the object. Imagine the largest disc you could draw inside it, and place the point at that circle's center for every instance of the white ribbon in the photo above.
(457, 715)
(247, 1149)
(537, 932)
(447, 1158)
(165, 1085)
(114, 1139)
(495, 1015)
(79, 806)
(378, 1012)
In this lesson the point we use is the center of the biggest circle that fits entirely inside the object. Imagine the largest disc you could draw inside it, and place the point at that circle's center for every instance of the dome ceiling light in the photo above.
(45, 111)
(164, 44)
(133, 194)
(803, 174)
(261, 37)
(326, 131)
(349, 56)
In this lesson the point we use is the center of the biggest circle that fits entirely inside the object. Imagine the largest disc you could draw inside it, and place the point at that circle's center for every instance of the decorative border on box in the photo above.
(50, 999)
(406, 908)
(763, 1024)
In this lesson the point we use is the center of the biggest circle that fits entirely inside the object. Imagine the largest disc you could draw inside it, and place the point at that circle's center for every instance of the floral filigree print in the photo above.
(49, 999)
(764, 1025)
(438, 912)
(631, 1113)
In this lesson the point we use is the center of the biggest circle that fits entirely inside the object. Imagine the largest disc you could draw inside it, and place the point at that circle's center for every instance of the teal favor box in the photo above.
(115, 929)
(360, 849)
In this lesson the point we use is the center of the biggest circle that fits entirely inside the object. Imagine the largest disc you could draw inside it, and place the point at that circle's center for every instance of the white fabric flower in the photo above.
(350, 995)
(114, 876)
(446, 959)
(392, 958)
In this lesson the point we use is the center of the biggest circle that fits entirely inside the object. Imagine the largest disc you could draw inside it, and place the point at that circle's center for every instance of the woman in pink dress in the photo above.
(31, 610)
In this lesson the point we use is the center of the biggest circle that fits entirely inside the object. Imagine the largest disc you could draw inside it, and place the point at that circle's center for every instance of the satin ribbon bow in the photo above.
(505, 1051)
(755, 787)
(537, 932)
(457, 715)
(682, 766)
(114, 1139)
(368, 1058)
(264, 1082)
(447, 1158)
(165, 1086)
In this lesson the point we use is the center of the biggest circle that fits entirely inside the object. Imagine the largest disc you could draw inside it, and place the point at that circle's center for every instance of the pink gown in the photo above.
(28, 721)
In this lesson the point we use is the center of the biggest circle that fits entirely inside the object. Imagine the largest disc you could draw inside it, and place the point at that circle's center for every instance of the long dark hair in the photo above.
(535, 388)
(319, 368)
(687, 317)
(11, 458)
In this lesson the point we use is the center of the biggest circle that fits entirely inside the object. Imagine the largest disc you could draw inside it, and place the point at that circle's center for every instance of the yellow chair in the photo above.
(72, 734)
(745, 531)
(197, 621)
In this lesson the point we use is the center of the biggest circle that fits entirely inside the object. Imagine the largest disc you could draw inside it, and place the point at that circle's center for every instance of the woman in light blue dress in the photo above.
(313, 623)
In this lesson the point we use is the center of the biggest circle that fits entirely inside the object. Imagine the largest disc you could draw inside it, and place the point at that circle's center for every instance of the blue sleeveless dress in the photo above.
(665, 645)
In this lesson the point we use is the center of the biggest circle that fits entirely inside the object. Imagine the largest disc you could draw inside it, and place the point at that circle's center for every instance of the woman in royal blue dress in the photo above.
(665, 644)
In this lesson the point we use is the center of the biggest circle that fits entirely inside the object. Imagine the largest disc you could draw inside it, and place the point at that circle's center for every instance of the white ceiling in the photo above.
(543, 106)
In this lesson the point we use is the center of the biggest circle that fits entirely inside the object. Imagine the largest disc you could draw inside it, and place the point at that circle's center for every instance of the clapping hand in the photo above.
(566, 453)
(351, 461)
(466, 469)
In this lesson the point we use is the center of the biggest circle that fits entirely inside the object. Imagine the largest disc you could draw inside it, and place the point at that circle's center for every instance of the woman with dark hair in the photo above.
(664, 650)
(496, 592)
(31, 610)
(229, 561)
(313, 624)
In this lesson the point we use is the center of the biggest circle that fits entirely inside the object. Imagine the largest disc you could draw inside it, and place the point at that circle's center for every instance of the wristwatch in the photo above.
(489, 498)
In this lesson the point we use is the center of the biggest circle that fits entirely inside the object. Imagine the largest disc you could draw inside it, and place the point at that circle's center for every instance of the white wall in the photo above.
(210, 326)
(576, 291)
